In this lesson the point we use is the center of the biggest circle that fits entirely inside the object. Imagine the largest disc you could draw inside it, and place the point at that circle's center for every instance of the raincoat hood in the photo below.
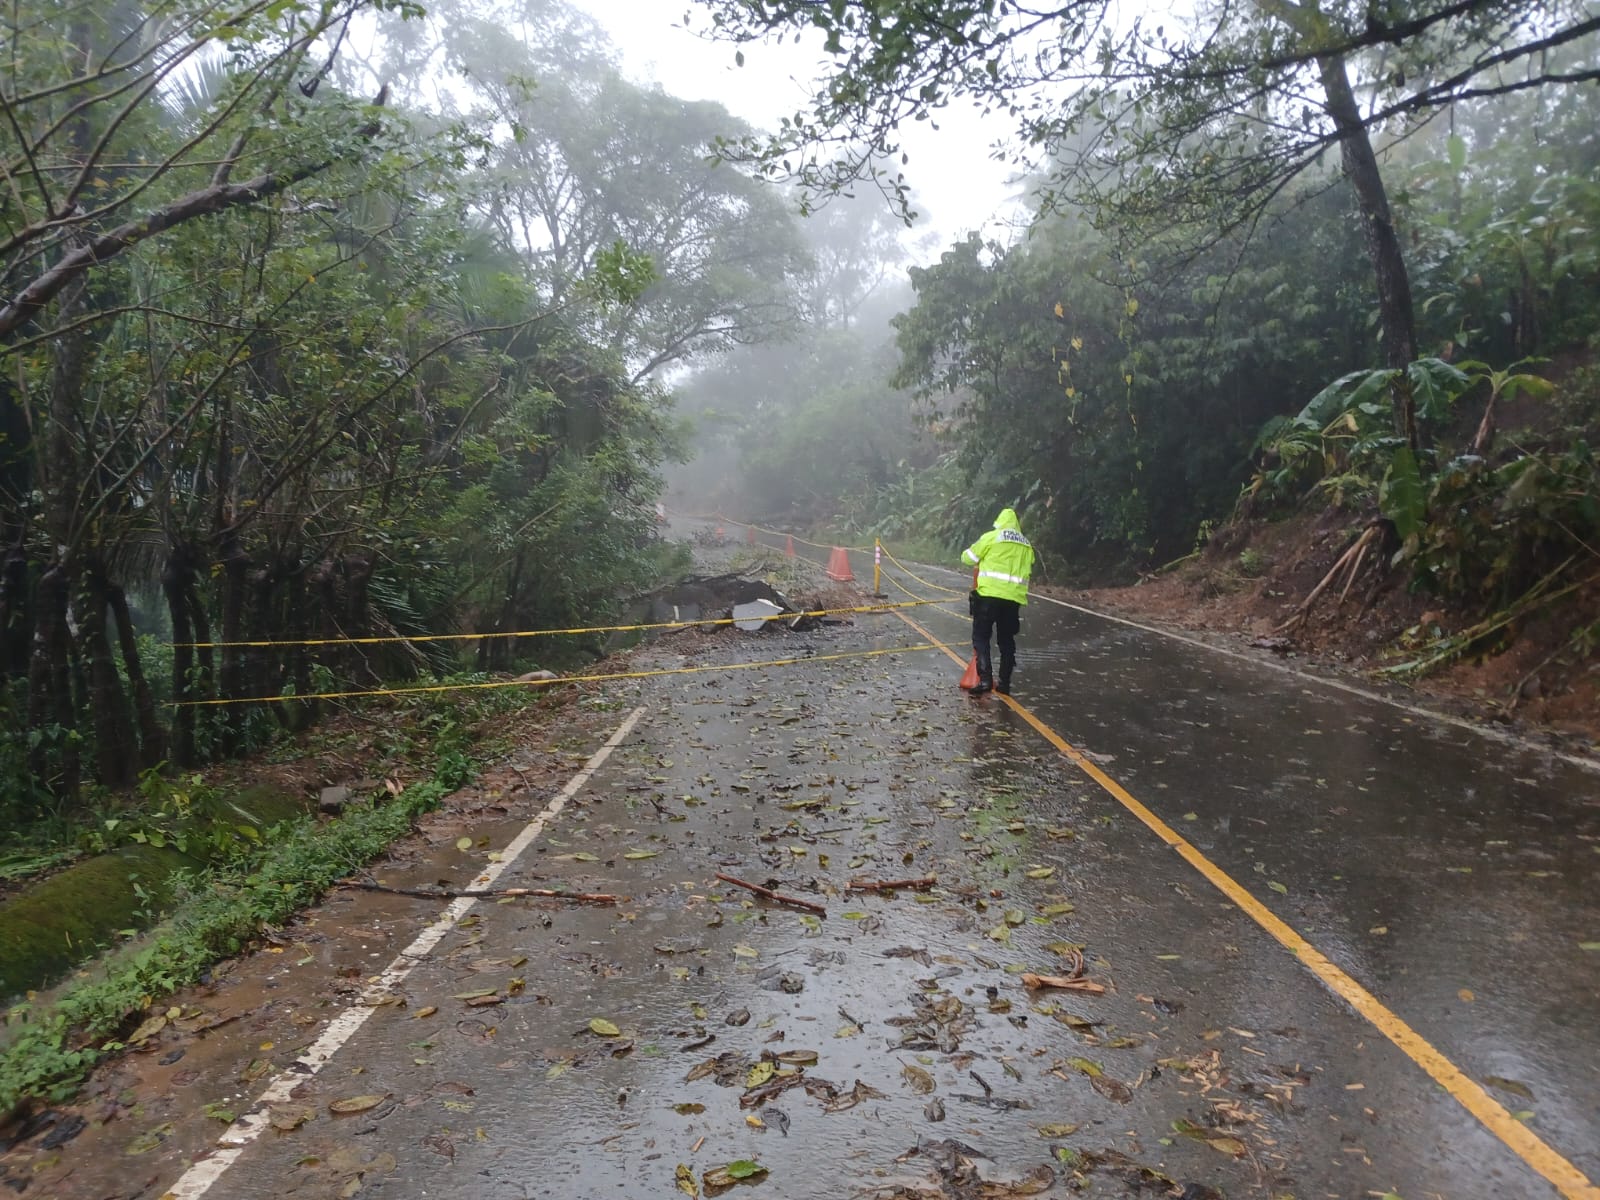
(1008, 520)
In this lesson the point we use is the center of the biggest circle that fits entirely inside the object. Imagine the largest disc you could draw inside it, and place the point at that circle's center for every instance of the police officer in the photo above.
(1004, 561)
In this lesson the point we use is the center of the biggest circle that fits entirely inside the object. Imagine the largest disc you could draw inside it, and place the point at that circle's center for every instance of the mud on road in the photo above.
(694, 1036)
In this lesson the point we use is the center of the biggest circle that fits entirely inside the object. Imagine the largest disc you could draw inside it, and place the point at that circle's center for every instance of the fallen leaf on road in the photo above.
(286, 1120)
(1033, 1183)
(1112, 1089)
(920, 1082)
(686, 1183)
(150, 1139)
(355, 1104)
(1057, 1131)
(603, 1028)
(463, 843)
(853, 1097)
(424, 1012)
(1041, 872)
(1509, 1085)
(147, 1030)
(726, 1176)
(637, 854)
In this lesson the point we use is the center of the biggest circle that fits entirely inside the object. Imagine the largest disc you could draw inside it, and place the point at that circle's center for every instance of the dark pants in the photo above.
(1004, 617)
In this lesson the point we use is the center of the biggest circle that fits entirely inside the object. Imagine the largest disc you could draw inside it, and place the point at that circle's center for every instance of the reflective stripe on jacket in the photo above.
(1004, 559)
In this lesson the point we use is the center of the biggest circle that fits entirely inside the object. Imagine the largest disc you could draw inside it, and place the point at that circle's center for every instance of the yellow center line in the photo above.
(1527, 1145)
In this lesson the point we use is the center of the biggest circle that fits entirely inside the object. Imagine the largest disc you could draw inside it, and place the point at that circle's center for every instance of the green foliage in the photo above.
(47, 1051)
(353, 400)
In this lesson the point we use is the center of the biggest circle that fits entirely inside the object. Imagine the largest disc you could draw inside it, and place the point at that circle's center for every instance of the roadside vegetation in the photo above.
(248, 882)
(1369, 290)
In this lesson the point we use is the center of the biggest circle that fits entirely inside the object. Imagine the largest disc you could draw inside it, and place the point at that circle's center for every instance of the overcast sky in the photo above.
(955, 183)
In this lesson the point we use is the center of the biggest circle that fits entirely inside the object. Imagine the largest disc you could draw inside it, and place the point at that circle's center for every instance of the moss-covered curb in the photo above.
(76, 913)
(68, 918)
(46, 1052)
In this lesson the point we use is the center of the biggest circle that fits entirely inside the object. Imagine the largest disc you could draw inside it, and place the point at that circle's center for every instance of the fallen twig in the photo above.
(1350, 561)
(495, 894)
(776, 897)
(1064, 982)
(884, 885)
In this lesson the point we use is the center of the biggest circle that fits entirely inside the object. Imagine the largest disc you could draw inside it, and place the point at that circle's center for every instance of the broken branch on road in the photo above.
(1064, 982)
(775, 897)
(884, 885)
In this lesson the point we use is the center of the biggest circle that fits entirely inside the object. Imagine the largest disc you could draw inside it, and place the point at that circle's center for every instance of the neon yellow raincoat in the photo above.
(1004, 559)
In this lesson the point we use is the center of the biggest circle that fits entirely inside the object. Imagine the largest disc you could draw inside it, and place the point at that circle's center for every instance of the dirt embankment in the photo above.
(1251, 578)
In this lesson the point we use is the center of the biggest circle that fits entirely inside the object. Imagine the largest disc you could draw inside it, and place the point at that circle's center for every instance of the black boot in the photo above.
(985, 674)
(1006, 666)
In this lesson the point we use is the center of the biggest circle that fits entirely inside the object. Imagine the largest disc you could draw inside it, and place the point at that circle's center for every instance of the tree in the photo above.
(585, 160)
(311, 405)
(1157, 118)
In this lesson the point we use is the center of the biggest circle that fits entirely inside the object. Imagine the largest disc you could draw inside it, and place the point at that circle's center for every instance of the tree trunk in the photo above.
(54, 759)
(173, 585)
(152, 738)
(192, 673)
(16, 617)
(235, 578)
(1396, 314)
(115, 752)
(299, 715)
(261, 673)
(16, 482)
(358, 570)
(325, 579)
(494, 654)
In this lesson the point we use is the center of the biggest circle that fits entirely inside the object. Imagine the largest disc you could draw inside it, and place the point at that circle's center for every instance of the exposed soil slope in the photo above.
(1252, 577)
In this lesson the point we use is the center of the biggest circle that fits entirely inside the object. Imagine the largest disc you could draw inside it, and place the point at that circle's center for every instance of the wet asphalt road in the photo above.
(1455, 875)
(1452, 875)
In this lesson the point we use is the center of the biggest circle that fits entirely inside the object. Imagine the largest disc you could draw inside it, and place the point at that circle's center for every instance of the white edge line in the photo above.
(1417, 710)
(203, 1175)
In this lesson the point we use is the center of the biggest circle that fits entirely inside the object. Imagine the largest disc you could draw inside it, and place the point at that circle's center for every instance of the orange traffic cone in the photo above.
(722, 534)
(839, 566)
(788, 545)
(750, 535)
(970, 679)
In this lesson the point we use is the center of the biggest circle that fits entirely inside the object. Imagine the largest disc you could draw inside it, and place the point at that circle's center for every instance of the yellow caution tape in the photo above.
(531, 633)
(530, 683)
(925, 583)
